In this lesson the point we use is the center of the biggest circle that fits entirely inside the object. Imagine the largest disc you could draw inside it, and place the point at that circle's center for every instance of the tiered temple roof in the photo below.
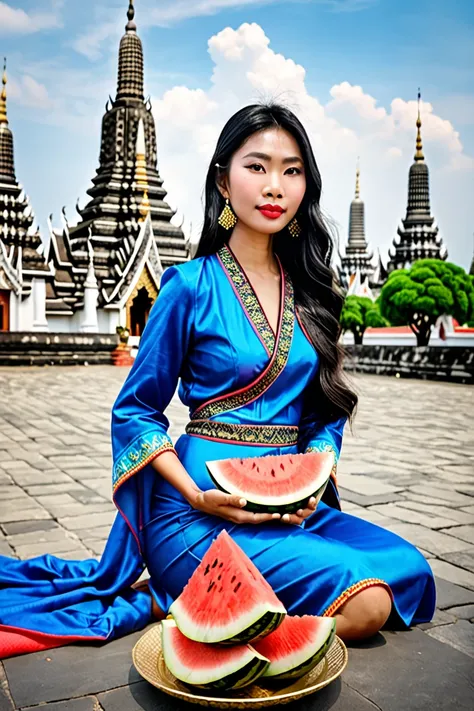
(20, 260)
(357, 256)
(418, 236)
(126, 184)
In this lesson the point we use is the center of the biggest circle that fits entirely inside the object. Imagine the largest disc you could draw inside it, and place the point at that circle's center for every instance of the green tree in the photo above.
(420, 295)
(359, 313)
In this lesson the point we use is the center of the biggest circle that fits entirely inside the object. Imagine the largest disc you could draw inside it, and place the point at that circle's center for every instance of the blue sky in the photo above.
(350, 67)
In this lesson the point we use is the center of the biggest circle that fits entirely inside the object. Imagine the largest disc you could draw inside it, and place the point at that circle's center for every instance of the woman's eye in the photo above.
(257, 165)
(298, 171)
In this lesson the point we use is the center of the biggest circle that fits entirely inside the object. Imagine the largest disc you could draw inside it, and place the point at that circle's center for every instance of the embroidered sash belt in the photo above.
(264, 435)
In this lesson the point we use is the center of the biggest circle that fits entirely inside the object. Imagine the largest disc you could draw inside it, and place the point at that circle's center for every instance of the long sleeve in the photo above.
(139, 425)
(318, 435)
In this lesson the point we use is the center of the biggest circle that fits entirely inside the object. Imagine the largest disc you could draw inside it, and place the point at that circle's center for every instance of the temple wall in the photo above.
(425, 362)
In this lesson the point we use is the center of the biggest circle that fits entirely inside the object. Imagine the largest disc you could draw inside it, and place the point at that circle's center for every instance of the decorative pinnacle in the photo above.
(130, 26)
(419, 145)
(3, 95)
(357, 190)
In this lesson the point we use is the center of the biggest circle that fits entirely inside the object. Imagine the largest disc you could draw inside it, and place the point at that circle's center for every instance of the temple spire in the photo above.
(419, 145)
(130, 69)
(3, 96)
(357, 189)
(131, 26)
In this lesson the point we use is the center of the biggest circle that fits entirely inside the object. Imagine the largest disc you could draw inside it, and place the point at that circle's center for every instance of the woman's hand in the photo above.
(298, 517)
(228, 506)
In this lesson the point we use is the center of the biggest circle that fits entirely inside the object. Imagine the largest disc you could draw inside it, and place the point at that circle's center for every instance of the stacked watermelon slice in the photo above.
(228, 628)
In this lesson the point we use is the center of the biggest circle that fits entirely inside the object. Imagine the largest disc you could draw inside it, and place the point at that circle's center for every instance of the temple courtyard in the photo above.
(408, 465)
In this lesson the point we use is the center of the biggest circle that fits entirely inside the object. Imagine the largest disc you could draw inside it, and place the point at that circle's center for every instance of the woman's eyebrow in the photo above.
(265, 156)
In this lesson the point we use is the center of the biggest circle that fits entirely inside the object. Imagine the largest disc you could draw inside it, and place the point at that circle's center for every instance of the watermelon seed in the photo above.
(219, 577)
(215, 563)
(273, 472)
(258, 470)
(210, 586)
(206, 570)
(220, 589)
(233, 578)
(282, 467)
(253, 465)
(237, 587)
(220, 565)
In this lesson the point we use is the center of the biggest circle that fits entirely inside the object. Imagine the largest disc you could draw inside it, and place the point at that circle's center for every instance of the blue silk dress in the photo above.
(208, 335)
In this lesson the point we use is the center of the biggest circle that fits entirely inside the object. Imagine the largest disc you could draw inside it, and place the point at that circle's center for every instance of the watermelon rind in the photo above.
(275, 503)
(246, 627)
(298, 662)
(246, 666)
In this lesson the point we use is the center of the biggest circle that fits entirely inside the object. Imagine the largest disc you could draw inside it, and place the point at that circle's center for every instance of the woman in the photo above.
(249, 329)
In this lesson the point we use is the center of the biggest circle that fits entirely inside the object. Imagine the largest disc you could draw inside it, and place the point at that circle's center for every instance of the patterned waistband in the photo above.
(264, 435)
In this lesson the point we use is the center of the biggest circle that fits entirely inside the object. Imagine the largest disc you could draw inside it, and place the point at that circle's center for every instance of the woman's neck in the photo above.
(254, 251)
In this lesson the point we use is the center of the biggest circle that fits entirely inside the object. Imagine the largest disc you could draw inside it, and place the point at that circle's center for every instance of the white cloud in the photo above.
(350, 124)
(170, 12)
(29, 92)
(18, 21)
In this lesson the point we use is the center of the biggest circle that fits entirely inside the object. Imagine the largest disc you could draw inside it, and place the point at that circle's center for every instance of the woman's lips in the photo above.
(271, 214)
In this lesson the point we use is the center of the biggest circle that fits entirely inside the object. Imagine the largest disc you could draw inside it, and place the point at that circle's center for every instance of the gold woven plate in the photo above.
(149, 662)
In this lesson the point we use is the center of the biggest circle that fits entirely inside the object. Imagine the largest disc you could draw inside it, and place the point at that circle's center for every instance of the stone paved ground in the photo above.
(408, 466)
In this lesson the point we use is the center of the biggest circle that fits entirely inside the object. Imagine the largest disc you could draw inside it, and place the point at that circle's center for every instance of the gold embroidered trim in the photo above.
(276, 366)
(270, 435)
(138, 455)
(353, 590)
(326, 447)
(248, 297)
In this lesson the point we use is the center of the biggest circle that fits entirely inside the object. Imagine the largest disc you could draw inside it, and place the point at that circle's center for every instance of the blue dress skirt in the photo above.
(246, 388)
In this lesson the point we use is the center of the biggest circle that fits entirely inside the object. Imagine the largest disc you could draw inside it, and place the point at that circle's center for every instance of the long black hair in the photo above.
(307, 258)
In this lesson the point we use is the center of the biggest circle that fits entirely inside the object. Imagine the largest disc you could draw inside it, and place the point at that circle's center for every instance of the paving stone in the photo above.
(5, 549)
(464, 558)
(24, 514)
(453, 573)
(86, 703)
(460, 635)
(6, 702)
(403, 514)
(456, 515)
(463, 612)
(57, 548)
(468, 509)
(69, 487)
(18, 527)
(33, 477)
(449, 595)
(351, 496)
(91, 521)
(410, 671)
(69, 463)
(31, 537)
(440, 618)
(432, 541)
(35, 680)
(98, 531)
(12, 492)
(448, 496)
(365, 485)
(465, 533)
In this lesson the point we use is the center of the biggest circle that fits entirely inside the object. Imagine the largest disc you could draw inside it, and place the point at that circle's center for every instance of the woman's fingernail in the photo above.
(276, 515)
(242, 502)
(286, 517)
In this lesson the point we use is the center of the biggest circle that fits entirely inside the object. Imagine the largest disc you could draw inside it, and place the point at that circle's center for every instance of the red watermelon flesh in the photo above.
(209, 666)
(274, 483)
(297, 646)
(227, 600)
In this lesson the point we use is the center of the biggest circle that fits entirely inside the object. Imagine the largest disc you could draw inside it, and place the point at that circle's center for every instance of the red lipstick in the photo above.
(271, 211)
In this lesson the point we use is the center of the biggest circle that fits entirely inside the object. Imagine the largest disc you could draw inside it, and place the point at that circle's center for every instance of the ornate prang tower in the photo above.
(20, 262)
(418, 234)
(111, 219)
(357, 256)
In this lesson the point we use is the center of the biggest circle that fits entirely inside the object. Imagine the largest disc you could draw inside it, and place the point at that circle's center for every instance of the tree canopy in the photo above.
(420, 295)
(359, 313)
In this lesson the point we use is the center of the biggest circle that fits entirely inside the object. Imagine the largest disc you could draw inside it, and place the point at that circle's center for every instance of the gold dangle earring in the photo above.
(294, 228)
(227, 218)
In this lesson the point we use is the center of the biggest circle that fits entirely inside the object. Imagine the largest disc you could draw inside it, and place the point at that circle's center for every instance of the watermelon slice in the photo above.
(297, 646)
(227, 599)
(209, 666)
(275, 484)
